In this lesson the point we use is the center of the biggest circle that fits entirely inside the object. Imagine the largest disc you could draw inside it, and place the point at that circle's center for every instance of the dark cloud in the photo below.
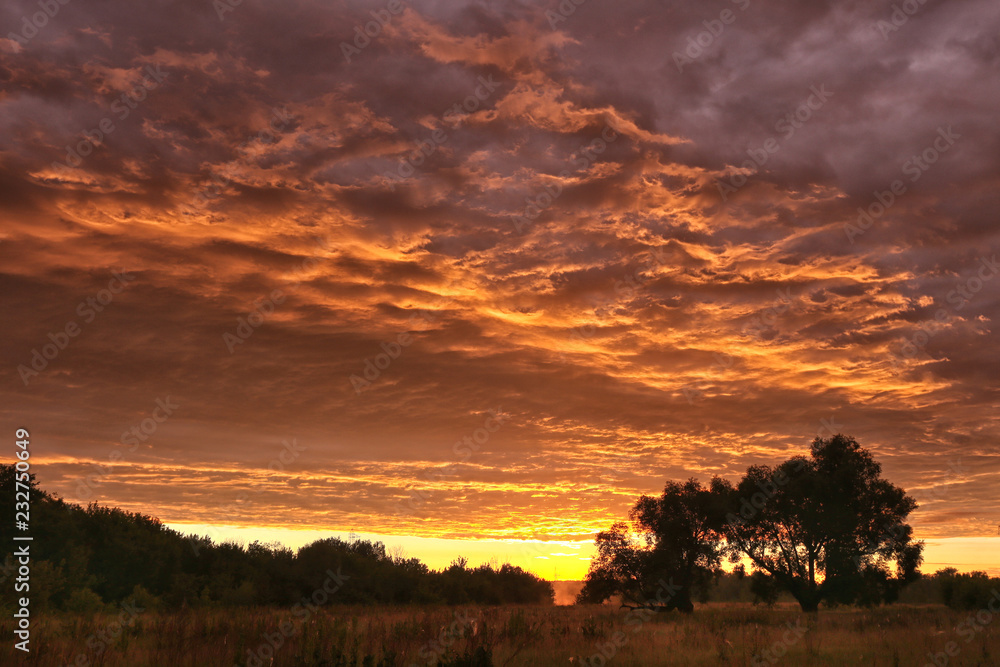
(639, 318)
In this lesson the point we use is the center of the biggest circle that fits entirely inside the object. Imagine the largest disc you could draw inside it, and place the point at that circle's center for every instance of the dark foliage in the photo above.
(968, 591)
(824, 529)
(676, 548)
(88, 556)
(827, 529)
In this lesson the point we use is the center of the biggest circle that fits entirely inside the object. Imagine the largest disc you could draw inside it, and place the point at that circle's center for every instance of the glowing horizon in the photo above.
(481, 279)
(563, 560)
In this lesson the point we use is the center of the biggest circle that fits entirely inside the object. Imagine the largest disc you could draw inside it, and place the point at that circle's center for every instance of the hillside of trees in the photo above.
(83, 558)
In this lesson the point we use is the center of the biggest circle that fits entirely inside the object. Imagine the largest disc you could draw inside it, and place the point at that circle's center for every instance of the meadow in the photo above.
(716, 634)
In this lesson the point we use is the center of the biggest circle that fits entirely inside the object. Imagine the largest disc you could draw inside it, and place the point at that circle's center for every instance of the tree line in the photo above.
(84, 558)
(826, 529)
(823, 529)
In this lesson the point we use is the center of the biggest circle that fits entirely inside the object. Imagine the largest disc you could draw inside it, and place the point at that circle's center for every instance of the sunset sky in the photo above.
(597, 246)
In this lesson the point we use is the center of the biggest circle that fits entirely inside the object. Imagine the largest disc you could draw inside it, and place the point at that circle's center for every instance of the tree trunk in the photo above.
(809, 606)
(807, 594)
(809, 600)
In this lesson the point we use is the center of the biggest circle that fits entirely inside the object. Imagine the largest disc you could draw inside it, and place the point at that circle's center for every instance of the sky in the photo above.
(470, 277)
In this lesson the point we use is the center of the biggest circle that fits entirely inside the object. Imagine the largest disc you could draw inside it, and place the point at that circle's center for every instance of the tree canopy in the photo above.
(667, 551)
(826, 528)
(86, 557)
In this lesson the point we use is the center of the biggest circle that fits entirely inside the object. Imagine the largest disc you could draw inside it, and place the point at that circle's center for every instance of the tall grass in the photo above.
(716, 634)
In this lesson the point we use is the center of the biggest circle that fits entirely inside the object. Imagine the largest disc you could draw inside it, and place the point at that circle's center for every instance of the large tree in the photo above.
(667, 551)
(826, 528)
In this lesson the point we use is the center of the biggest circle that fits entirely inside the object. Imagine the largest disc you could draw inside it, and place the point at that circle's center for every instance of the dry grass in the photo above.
(718, 634)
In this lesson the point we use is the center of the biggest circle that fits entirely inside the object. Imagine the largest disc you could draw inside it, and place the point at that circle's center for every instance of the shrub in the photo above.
(84, 601)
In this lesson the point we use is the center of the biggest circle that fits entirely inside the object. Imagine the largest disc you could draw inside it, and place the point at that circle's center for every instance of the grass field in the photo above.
(716, 634)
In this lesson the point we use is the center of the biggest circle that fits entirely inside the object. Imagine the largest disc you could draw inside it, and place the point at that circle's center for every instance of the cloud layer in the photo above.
(646, 241)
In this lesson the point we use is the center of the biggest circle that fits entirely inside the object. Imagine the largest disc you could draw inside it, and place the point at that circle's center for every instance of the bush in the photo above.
(967, 592)
(143, 599)
(84, 601)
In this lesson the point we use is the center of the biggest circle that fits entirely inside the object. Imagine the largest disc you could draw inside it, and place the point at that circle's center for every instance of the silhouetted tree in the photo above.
(825, 529)
(668, 551)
